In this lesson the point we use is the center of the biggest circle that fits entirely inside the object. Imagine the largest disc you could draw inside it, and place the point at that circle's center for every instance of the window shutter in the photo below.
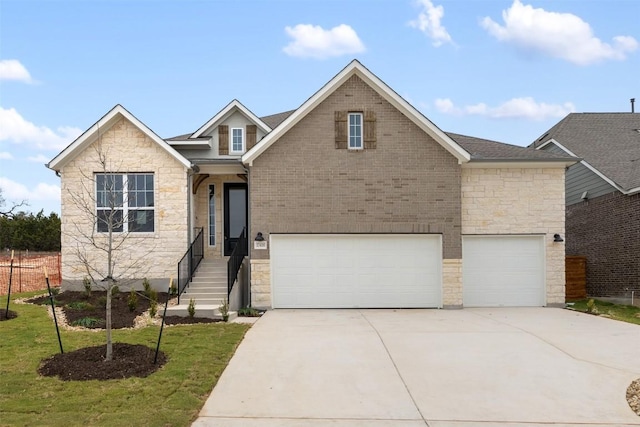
(252, 131)
(370, 140)
(223, 140)
(341, 129)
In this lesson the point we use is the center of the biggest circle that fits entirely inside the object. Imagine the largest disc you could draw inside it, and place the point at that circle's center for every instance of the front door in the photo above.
(235, 214)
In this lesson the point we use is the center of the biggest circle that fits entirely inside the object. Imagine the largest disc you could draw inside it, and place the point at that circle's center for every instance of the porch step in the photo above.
(210, 311)
(208, 289)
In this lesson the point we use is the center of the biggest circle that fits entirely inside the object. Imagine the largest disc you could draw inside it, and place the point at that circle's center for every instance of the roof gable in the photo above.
(608, 143)
(229, 109)
(102, 125)
(356, 68)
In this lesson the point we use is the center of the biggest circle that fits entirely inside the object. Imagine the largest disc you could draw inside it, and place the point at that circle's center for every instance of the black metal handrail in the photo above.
(190, 262)
(235, 260)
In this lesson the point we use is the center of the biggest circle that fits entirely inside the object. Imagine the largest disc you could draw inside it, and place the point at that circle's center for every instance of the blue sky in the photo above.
(503, 70)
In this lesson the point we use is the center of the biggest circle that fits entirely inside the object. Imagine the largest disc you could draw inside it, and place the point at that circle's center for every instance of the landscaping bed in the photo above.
(89, 310)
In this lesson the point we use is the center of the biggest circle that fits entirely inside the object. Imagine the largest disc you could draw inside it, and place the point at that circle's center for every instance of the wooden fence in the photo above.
(575, 277)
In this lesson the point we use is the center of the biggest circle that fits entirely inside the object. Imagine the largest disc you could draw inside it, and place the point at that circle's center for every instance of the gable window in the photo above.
(125, 202)
(355, 131)
(237, 140)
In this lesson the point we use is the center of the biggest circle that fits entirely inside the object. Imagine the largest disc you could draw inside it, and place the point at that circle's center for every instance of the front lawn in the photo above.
(172, 396)
(625, 313)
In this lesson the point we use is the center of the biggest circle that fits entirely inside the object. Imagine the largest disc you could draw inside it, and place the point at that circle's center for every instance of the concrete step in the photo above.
(211, 311)
(198, 295)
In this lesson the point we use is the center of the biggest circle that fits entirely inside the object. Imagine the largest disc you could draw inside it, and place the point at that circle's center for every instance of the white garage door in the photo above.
(503, 271)
(356, 270)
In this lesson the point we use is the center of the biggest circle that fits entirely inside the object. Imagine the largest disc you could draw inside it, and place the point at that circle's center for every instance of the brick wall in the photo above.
(302, 183)
(606, 230)
(152, 255)
(409, 183)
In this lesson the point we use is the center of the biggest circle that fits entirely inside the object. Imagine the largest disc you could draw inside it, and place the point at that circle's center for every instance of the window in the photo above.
(237, 140)
(355, 131)
(126, 202)
(212, 215)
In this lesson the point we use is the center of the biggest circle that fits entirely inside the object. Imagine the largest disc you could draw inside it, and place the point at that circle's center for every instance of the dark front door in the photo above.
(235, 214)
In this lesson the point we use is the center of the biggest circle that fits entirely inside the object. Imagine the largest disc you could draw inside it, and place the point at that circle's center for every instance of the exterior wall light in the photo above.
(556, 238)
(259, 237)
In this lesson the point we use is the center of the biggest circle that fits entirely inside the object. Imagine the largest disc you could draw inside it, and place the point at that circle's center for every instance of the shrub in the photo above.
(147, 287)
(115, 290)
(102, 302)
(224, 309)
(153, 308)
(55, 291)
(87, 286)
(79, 305)
(153, 295)
(173, 290)
(86, 322)
(248, 312)
(192, 308)
(132, 301)
(592, 308)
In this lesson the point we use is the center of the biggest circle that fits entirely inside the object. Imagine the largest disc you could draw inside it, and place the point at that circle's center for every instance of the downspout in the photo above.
(249, 234)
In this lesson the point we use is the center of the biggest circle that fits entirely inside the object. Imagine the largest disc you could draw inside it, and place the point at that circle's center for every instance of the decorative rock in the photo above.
(633, 396)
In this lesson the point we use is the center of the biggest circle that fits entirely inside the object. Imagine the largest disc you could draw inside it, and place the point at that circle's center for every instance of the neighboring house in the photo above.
(360, 199)
(602, 196)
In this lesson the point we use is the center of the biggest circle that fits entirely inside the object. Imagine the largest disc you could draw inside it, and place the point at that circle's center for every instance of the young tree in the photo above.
(101, 242)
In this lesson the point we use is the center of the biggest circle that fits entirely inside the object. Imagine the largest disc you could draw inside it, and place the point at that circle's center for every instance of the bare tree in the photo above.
(13, 210)
(101, 242)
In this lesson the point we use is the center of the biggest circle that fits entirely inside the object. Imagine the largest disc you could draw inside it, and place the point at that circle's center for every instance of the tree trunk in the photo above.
(109, 354)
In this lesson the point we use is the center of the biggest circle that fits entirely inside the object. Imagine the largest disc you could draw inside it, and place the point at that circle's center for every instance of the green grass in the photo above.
(172, 396)
(625, 313)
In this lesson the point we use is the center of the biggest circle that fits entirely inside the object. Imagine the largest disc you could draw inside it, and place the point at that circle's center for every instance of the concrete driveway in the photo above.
(506, 367)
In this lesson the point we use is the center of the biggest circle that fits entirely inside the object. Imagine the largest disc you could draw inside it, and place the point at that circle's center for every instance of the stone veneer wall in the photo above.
(519, 201)
(152, 255)
(606, 230)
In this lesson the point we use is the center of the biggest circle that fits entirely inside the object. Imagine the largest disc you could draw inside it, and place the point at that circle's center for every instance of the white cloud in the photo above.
(15, 191)
(14, 128)
(4, 155)
(521, 108)
(40, 158)
(313, 41)
(12, 69)
(560, 35)
(429, 23)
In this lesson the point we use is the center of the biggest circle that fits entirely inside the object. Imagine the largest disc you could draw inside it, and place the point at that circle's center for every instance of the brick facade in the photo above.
(606, 230)
(152, 255)
(407, 184)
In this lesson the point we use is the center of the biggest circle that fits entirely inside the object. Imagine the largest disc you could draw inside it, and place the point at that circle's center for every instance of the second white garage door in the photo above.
(503, 271)
(356, 270)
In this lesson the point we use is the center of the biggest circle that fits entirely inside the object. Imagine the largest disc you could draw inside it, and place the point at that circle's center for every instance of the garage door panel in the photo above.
(356, 271)
(503, 271)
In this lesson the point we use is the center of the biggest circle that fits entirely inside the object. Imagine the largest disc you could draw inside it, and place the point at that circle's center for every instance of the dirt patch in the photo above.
(129, 360)
(89, 311)
(4, 315)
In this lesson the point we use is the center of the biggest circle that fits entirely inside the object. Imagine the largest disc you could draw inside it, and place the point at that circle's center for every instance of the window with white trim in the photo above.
(355, 131)
(212, 215)
(125, 202)
(237, 140)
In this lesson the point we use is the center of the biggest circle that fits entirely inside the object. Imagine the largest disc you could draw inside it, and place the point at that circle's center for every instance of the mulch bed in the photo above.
(7, 316)
(88, 363)
(129, 360)
(80, 305)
